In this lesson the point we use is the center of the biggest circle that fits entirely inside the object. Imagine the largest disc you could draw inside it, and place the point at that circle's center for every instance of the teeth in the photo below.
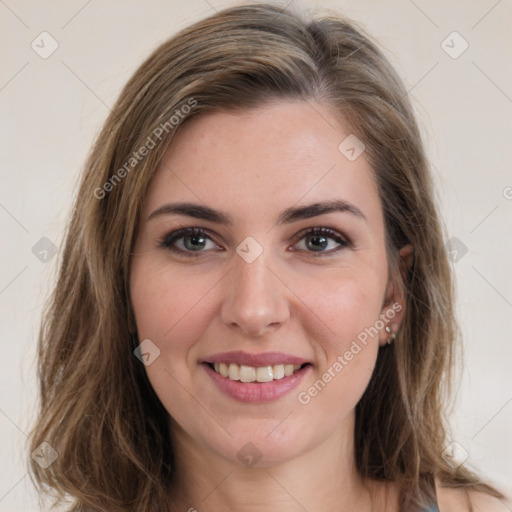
(278, 371)
(288, 369)
(247, 373)
(255, 374)
(224, 369)
(234, 372)
(264, 374)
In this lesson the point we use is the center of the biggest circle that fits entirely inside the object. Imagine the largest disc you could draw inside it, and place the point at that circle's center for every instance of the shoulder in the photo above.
(464, 500)
(484, 502)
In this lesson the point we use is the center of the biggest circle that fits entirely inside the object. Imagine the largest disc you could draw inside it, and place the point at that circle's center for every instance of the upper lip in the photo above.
(256, 360)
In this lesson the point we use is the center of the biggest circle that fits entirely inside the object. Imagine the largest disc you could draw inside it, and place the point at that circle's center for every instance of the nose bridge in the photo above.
(255, 299)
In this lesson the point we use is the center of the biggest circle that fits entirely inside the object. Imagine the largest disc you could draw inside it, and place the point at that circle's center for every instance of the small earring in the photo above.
(392, 336)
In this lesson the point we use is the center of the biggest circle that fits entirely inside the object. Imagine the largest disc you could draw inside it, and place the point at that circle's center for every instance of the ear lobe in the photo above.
(393, 309)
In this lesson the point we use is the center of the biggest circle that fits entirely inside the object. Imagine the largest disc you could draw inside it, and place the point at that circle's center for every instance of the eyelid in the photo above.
(330, 232)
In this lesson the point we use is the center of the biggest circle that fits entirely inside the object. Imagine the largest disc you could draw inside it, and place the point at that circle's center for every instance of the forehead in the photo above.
(261, 161)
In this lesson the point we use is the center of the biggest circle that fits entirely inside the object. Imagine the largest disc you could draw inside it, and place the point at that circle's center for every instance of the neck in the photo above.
(324, 478)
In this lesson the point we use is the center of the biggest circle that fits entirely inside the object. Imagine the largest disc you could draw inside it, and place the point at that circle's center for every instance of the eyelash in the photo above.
(167, 241)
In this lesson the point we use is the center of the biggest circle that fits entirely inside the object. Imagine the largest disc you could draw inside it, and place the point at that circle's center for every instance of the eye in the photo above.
(192, 241)
(187, 241)
(318, 240)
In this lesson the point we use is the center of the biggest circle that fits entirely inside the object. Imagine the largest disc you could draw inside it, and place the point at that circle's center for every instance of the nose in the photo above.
(255, 300)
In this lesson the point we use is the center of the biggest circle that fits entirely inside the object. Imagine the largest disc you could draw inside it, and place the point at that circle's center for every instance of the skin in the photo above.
(252, 166)
(460, 500)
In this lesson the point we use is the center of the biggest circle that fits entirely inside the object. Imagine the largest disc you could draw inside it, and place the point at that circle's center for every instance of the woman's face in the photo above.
(252, 291)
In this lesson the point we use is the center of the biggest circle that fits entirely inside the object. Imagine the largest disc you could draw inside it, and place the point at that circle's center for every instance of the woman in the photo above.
(254, 307)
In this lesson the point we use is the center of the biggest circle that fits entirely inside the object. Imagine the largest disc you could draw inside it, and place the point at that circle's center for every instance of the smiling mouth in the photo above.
(242, 373)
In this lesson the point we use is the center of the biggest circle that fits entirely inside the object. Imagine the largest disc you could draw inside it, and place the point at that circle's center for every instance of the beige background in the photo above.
(52, 108)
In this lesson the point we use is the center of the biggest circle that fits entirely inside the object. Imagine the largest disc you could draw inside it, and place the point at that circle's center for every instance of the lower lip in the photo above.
(257, 392)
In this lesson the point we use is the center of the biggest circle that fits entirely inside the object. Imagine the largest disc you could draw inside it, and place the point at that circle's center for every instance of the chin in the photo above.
(266, 446)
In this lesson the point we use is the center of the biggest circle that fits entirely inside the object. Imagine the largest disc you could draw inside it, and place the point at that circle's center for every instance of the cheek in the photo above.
(341, 305)
(167, 301)
(341, 315)
(171, 309)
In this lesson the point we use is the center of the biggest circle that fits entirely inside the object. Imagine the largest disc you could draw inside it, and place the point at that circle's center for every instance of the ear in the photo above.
(406, 255)
(393, 308)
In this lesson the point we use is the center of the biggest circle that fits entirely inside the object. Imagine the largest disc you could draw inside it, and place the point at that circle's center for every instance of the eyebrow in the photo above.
(199, 211)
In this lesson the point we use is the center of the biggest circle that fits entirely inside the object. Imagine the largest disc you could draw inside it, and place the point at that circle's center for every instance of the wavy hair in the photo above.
(97, 408)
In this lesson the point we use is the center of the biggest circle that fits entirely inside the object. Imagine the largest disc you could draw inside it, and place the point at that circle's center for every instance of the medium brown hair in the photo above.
(97, 408)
